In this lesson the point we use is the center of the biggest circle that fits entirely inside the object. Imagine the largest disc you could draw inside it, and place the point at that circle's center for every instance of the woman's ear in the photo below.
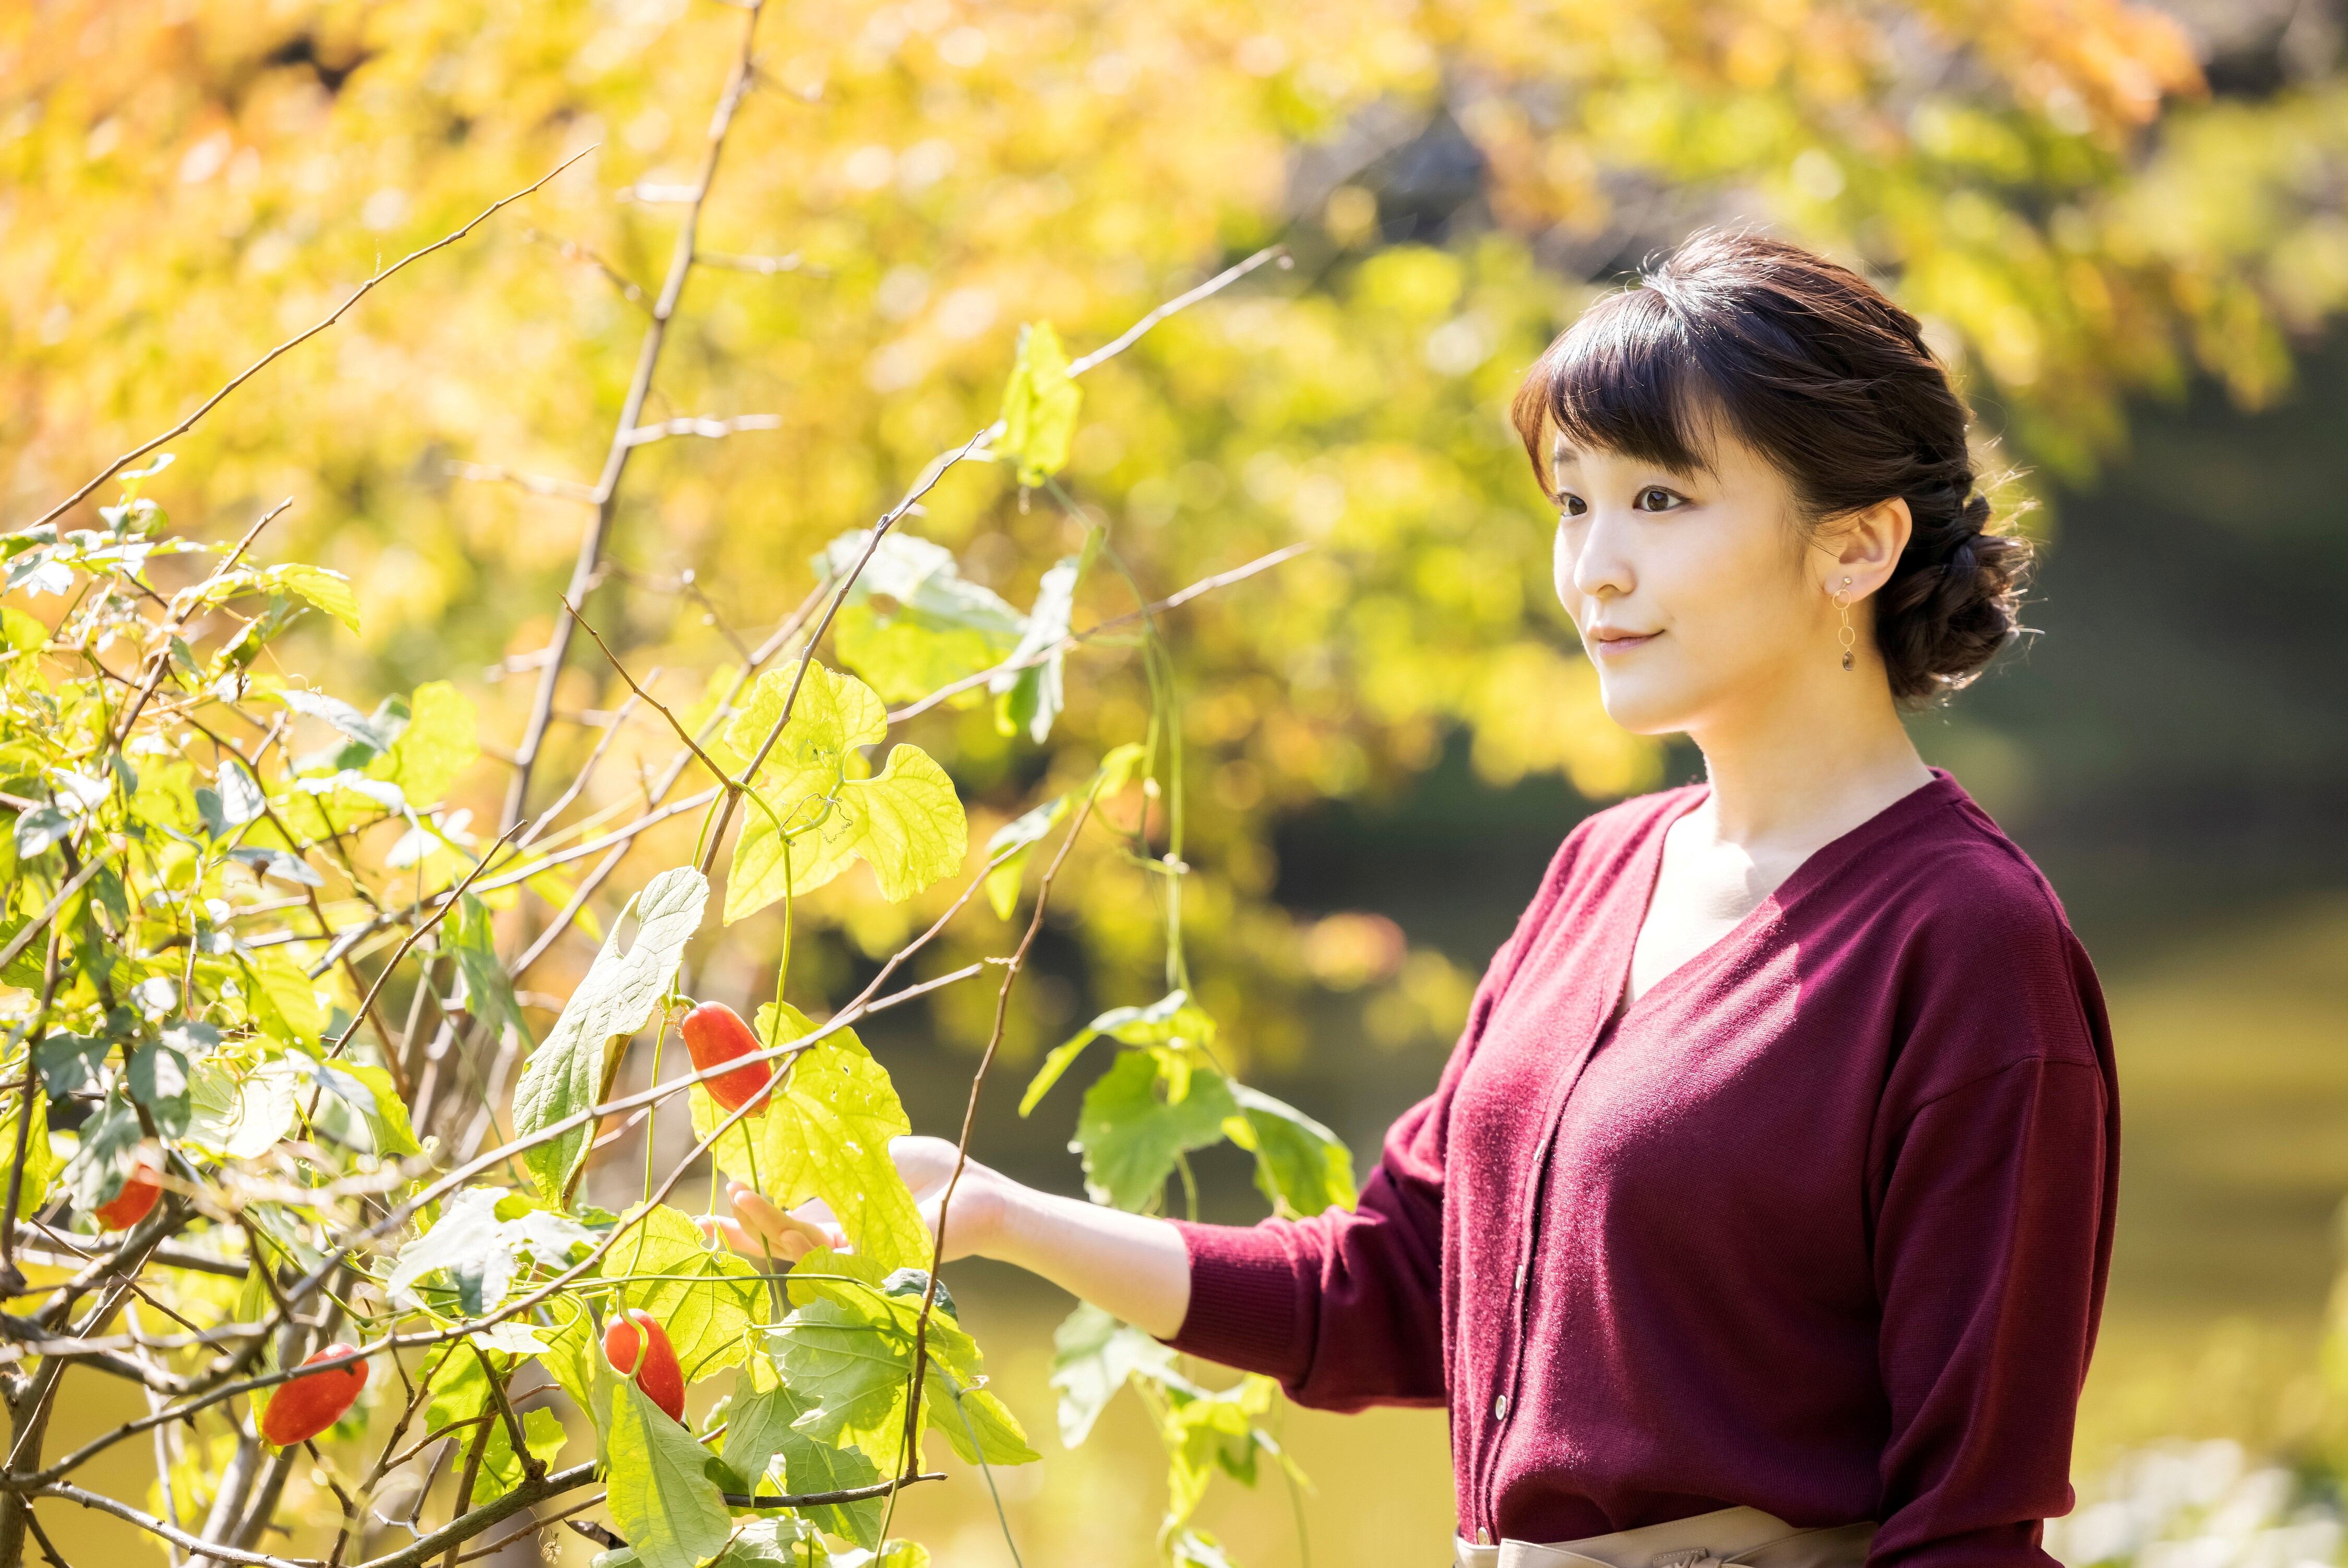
(1864, 546)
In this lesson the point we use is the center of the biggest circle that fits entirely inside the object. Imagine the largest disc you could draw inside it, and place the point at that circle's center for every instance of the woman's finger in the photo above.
(784, 1232)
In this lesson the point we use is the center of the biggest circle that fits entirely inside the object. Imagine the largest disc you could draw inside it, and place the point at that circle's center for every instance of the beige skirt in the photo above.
(1730, 1537)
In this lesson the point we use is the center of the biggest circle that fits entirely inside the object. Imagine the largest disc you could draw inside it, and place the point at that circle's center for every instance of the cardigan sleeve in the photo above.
(1992, 1244)
(1345, 1308)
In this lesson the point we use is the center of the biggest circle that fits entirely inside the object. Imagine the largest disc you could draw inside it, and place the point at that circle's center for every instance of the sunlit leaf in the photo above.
(1039, 406)
(1032, 697)
(564, 1076)
(1131, 1134)
(703, 1295)
(660, 1491)
(1093, 1355)
(1300, 1165)
(1173, 1020)
(905, 821)
(1007, 851)
(329, 590)
(441, 741)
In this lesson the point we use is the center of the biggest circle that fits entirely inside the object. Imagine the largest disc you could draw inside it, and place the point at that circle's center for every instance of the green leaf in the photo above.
(708, 1298)
(1117, 769)
(41, 1163)
(1008, 850)
(955, 1401)
(1300, 1165)
(96, 1171)
(286, 999)
(779, 1540)
(329, 590)
(385, 1112)
(441, 741)
(564, 1076)
(1033, 697)
(979, 1424)
(1130, 1132)
(471, 1243)
(757, 1420)
(1093, 1355)
(243, 1117)
(502, 1467)
(158, 1079)
(660, 1494)
(902, 658)
(810, 1466)
(1205, 1432)
(489, 990)
(572, 1357)
(21, 632)
(826, 1135)
(1039, 406)
(906, 822)
(853, 1371)
(1172, 1021)
(922, 579)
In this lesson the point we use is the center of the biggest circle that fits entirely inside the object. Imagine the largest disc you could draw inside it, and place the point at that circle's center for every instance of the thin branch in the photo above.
(415, 935)
(969, 1124)
(206, 406)
(615, 456)
(713, 429)
(39, 923)
(764, 267)
(536, 484)
(1205, 584)
(571, 251)
(195, 1546)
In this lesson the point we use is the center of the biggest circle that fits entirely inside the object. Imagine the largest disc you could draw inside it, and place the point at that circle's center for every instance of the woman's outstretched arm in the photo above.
(1132, 1266)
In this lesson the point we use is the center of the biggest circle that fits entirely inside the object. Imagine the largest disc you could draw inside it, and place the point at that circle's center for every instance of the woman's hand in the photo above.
(975, 1219)
(1130, 1265)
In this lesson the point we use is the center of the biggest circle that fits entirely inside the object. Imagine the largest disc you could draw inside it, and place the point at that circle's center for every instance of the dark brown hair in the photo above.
(1812, 366)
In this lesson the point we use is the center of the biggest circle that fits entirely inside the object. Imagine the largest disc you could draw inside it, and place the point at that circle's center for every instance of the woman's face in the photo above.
(1696, 595)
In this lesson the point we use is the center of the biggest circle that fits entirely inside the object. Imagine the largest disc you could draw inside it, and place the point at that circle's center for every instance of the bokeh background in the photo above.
(2123, 223)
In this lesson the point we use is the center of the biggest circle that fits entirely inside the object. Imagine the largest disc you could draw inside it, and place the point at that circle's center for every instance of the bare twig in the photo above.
(969, 1123)
(615, 456)
(250, 371)
(536, 484)
(1206, 584)
(712, 429)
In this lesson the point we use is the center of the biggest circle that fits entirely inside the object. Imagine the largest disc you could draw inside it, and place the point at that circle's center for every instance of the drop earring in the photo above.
(1845, 636)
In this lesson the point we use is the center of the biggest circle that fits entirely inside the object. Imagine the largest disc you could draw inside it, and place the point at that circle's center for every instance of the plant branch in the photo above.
(250, 371)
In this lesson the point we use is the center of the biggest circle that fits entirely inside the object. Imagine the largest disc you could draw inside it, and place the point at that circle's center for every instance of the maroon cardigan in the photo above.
(1822, 1229)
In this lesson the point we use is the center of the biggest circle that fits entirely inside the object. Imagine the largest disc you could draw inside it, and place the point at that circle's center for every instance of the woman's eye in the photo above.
(1575, 507)
(1655, 498)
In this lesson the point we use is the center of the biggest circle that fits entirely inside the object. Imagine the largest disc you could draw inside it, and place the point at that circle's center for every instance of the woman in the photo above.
(1764, 1209)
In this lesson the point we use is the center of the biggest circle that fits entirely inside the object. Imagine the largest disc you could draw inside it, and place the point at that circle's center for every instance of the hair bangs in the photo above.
(1623, 377)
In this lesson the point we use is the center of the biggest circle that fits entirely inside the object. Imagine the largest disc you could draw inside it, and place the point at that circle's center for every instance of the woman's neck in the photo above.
(1809, 763)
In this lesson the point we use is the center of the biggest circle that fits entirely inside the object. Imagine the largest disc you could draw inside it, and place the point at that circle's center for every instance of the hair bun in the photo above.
(1956, 602)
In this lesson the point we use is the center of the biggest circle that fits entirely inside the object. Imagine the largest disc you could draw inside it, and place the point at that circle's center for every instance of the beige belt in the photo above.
(1731, 1537)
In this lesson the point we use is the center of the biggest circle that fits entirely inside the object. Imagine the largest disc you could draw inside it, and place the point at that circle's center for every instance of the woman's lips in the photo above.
(1617, 645)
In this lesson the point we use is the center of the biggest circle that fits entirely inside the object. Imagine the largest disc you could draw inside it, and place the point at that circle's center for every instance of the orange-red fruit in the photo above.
(312, 1401)
(139, 1191)
(716, 1035)
(661, 1379)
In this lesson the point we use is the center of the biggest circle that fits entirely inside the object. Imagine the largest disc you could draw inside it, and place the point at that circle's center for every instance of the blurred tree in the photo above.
(2050, 184)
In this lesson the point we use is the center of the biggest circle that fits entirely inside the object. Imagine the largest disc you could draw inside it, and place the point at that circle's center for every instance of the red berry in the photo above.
(312, 1401)
(662, 1380)
(716, 1035)
(139, 1191)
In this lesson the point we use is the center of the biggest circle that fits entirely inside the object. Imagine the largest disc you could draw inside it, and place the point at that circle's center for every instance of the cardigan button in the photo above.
(1500, 1409)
